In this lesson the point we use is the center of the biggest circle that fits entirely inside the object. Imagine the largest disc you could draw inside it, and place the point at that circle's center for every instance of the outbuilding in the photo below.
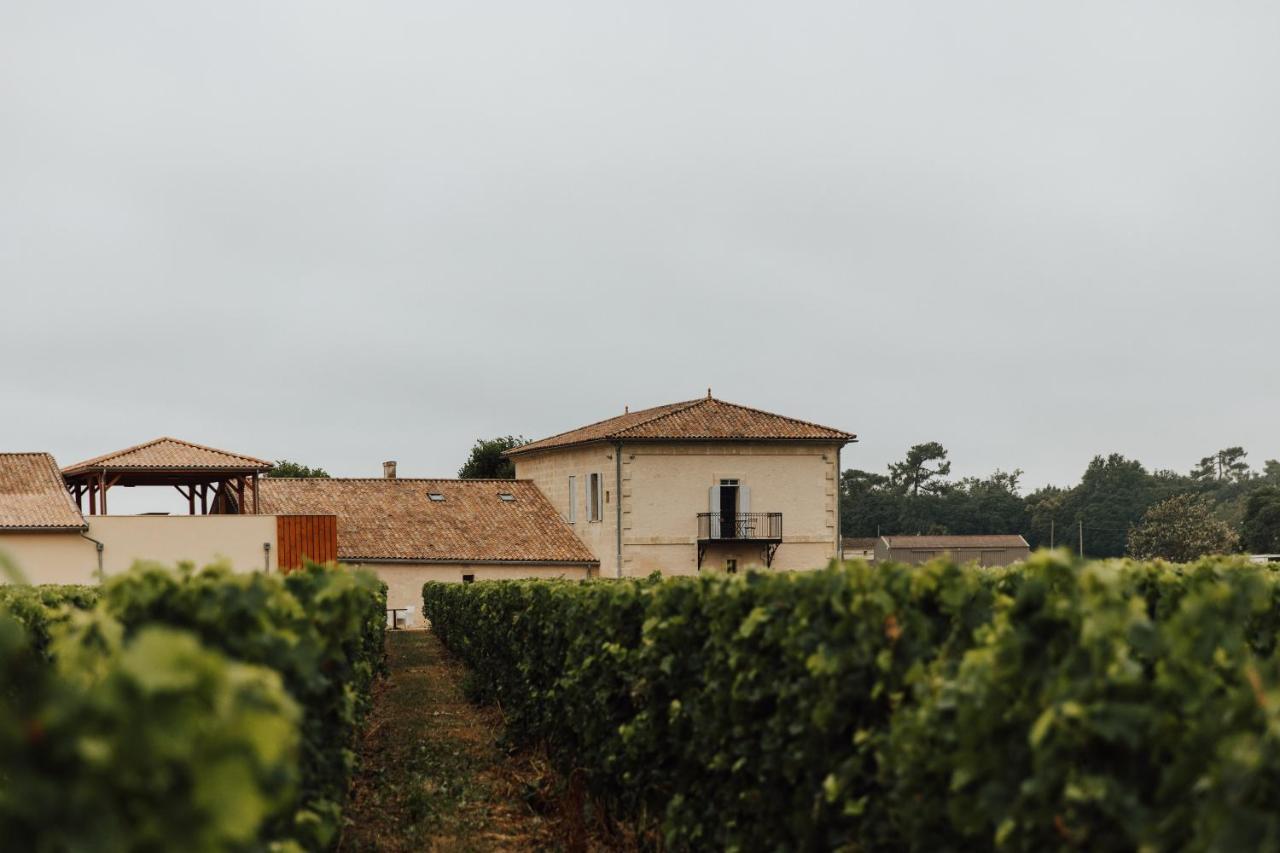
(985, 550)
(410, 531)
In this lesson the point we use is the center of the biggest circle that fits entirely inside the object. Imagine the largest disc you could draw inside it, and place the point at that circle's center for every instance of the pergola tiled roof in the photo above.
(704, 419)
(214, 479)
(396, 519)
(33, 495)
(168, 454)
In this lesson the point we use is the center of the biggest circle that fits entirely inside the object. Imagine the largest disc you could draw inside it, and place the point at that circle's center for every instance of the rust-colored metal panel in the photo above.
(306, 537)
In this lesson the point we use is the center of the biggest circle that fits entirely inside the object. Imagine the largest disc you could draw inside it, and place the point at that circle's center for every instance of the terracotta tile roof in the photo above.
(33, 495)
(704, 419)
(939, 542)
(169, 453)
(385, 519)
(855, 543)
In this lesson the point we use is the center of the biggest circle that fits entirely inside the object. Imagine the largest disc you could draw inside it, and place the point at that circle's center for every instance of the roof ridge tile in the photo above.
(722, 421)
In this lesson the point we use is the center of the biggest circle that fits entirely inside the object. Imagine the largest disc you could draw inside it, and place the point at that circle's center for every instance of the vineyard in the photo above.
(1057, 704)
(180, 709)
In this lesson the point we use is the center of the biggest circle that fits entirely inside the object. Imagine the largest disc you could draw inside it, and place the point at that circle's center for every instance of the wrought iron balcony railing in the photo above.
(746, 526)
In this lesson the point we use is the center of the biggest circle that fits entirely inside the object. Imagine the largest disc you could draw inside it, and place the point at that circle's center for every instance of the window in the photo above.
(435, 496)
(595, 498)
(468, 578)
(573, 500)
(506, 496)
(731, 566)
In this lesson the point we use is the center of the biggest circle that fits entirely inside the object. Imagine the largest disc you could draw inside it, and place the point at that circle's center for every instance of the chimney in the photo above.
(389, 469)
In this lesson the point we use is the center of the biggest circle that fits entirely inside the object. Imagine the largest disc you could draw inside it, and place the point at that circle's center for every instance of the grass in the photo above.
(432, 775)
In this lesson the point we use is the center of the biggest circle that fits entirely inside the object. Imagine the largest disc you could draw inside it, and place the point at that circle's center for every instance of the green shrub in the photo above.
(38, 607)
(147, 743)
(1108, 705)
(735, 711)
(319, 628)
(1111, 706)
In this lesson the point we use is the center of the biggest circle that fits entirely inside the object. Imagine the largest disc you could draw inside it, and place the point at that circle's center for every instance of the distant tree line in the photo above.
(1222, 505)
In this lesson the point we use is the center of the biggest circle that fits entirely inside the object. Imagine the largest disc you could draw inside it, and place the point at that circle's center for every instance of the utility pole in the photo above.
(1051, 533)
(1081, 523)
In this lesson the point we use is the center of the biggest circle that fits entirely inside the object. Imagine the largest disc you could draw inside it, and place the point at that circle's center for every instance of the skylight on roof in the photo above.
(435, 496)
(506, 496)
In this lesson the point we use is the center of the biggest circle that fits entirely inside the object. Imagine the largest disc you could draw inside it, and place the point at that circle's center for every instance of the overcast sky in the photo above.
(344, 233)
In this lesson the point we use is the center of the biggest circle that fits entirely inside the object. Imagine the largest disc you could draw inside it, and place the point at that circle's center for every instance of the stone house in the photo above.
(702, 484)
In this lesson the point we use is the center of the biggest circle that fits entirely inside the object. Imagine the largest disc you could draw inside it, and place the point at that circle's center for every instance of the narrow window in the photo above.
(595, 498)
(468, 578)
(573, 500)
(731, 566)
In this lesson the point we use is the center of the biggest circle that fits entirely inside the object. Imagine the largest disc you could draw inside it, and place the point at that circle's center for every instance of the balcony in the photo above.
(749, 526)
(753, 528)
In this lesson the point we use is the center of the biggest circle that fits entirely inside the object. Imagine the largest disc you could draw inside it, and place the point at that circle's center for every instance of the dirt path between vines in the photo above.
(432, 776)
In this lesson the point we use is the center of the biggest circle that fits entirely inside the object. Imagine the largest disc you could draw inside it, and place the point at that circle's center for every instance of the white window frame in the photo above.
(573, 500)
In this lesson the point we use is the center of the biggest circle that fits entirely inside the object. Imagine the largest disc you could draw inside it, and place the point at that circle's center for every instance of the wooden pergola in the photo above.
(215, 480)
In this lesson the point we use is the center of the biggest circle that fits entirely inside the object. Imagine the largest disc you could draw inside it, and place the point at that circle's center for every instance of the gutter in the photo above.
(839, 532)
(617, 458)
(100, 548)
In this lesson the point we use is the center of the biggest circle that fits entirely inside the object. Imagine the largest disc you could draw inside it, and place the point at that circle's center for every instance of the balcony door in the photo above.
(728, 509)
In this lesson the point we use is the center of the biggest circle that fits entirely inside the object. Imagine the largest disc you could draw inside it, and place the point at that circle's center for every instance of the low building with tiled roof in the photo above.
(985, 549)
(49, 538)
(33, 496)
(413, 530)
(859, 547)
(695, 485)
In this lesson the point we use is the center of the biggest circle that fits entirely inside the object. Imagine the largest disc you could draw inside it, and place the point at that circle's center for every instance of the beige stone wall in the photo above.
(404, 580)
(550, 471)
(201, 539)
(666, 485)
(52, 557)
(682, 559)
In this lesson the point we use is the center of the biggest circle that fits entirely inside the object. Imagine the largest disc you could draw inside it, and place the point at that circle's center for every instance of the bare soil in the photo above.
(434, 777)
